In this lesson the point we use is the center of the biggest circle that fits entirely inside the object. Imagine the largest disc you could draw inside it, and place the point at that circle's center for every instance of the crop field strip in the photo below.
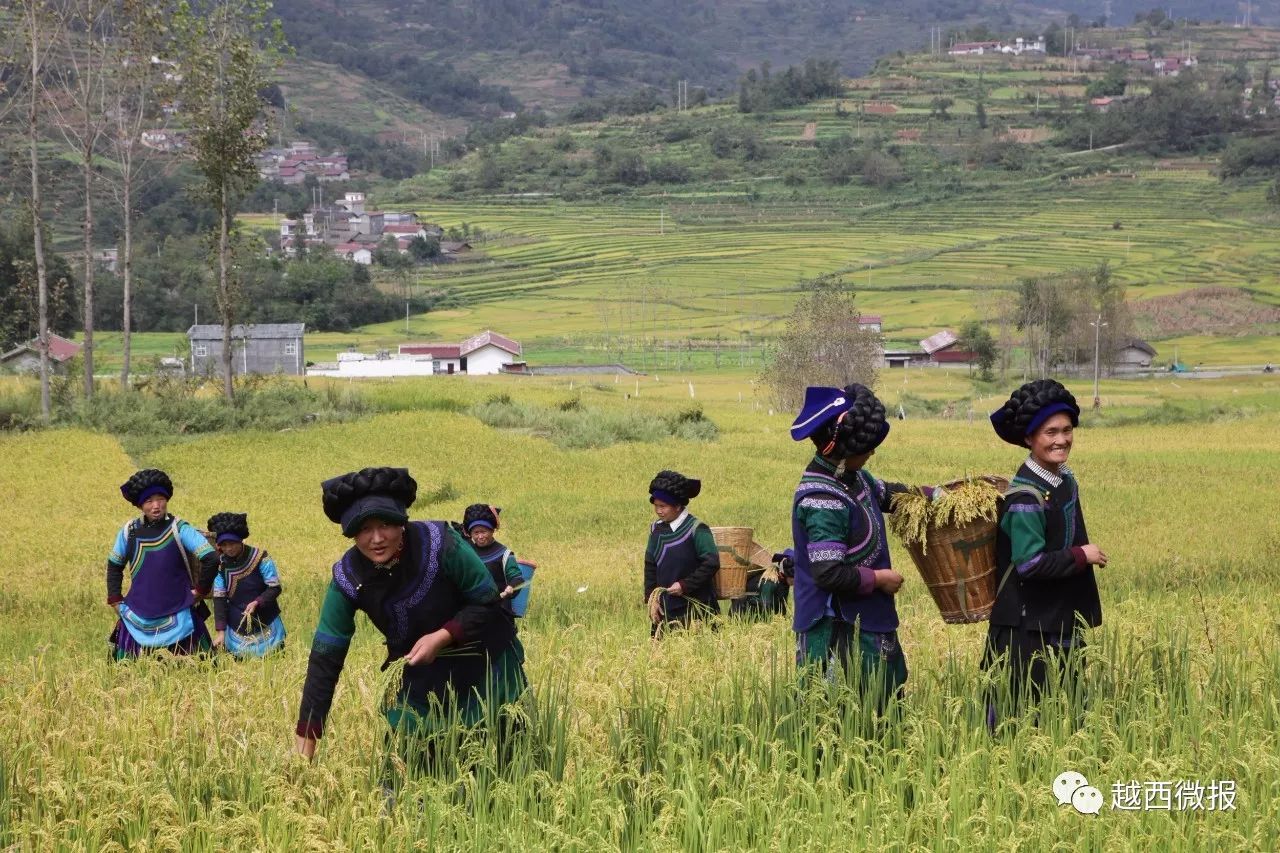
(586, 255)
(1185, 674)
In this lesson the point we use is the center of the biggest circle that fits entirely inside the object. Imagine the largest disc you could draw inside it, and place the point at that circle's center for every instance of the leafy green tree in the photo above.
(1111, 84)
(975, 338)
(19, 317)
(424, 248)
(229, 50)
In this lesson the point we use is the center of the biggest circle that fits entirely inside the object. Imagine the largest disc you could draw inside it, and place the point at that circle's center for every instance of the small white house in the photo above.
(357, 252)
(1132, 354)
(484, 354)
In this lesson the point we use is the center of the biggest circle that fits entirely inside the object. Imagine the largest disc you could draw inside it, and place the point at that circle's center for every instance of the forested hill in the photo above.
(471, 58)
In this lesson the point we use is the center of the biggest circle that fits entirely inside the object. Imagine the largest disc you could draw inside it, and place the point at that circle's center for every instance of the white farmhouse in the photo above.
(480, 355)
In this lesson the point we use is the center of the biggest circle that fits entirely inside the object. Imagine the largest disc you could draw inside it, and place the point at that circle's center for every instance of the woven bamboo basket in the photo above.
(960, 566)
(736, 546)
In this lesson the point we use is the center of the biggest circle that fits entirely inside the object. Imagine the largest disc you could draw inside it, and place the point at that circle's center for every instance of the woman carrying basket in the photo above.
(680, 561)
(1047, 591)
(171, 566)
(845, 616)
(479, 523)
(246, 614)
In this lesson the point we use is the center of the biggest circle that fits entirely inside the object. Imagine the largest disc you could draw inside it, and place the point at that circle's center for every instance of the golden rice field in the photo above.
(699, 743)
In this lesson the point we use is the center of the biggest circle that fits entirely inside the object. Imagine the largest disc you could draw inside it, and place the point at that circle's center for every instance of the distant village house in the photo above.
(262, 348)
(484, 354)
(25, 358)
(481, 355)
(943, 348)
(1017, 47)
(1132, 354)
(292, 165)
(350, 231)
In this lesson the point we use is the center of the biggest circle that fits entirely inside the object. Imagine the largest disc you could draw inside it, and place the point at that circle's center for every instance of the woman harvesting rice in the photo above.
(1047, 592)
(845, 614)
(680, 560)
(479, 523)
(246, 616)
(159, 550)
(426, 591)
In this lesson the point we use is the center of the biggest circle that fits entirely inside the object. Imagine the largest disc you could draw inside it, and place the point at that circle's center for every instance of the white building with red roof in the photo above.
(480, 355)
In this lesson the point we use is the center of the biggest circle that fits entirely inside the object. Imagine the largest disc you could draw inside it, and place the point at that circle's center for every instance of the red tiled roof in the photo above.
(401, 228)
(470, 345)
(486, 338)
(60, 349)
(435, 350)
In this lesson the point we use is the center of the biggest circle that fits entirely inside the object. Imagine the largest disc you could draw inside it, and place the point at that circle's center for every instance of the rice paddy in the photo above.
(702, 741)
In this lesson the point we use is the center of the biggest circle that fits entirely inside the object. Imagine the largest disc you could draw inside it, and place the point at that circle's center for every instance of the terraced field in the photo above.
(552, 271)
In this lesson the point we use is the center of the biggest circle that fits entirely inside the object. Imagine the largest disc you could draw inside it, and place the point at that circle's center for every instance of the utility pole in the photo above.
(1097, 364)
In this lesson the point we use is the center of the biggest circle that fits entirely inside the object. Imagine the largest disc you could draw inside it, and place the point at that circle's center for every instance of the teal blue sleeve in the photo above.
(118, 548)
(193, 540)
(268, 569)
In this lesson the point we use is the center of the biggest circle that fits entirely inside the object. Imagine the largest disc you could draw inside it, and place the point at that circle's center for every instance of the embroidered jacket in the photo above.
(839, 532)
(1047, 583)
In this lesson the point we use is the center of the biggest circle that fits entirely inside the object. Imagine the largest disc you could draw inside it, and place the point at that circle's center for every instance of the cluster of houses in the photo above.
(291, 166)
(484, 354)
(944, 348)
(167, 141)
(1160, 66)
(352, 232)
(1017, 47)
(267, 348)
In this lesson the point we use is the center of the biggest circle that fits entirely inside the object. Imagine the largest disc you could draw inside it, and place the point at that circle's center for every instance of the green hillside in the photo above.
(568, 260)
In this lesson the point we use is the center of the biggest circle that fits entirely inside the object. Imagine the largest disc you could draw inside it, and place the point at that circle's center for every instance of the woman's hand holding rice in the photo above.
(428, 646)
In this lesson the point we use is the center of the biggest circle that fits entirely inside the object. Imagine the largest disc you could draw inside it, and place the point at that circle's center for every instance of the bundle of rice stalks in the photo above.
(391, 681)
(655, 605)
(958, 504)
(960, 522)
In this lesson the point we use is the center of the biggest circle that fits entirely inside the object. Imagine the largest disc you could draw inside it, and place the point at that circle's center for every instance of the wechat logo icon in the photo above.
(1071, 788)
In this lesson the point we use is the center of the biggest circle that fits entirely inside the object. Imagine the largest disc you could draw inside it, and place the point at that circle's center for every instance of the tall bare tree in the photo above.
(133, 85)
(79, 111)
(39, 25)
(228, 50)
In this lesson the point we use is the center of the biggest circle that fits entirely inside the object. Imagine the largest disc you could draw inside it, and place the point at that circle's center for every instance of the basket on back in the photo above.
(736, 546)
(957, 560)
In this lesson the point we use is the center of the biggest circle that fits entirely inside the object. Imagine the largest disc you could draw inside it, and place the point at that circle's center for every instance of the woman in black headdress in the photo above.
(1047, 592)
(680, 561)
(246, 612)
(480, 524)
(429, 595)
(170, 565)
(846, 612)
